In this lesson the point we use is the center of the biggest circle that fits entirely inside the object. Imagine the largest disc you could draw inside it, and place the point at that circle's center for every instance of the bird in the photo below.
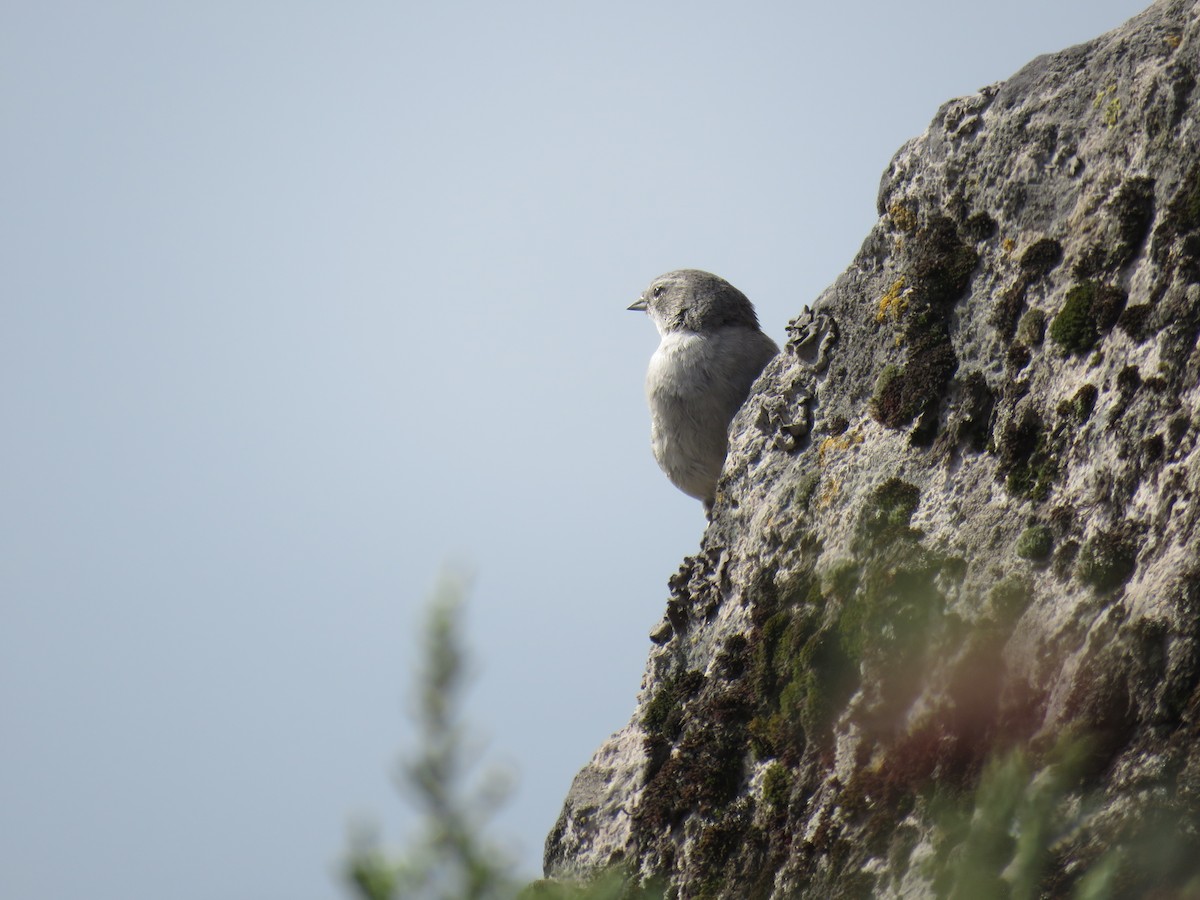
(710, 354)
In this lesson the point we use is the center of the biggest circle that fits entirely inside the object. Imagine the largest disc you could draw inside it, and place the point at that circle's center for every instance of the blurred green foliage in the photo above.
(450, 856)
(1001, 839)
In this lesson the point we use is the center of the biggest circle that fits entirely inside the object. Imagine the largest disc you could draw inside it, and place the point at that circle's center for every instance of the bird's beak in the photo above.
(639, 305)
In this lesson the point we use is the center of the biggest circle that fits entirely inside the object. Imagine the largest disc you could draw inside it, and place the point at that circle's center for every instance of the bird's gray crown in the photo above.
(692, 300)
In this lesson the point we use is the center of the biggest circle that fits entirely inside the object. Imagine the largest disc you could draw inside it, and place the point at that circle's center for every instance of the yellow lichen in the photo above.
(1009, 244)
(838, 443)
(1108, 100)
(895, 301)
(1173, 41)
(832, 488)
(903, 217)
(1103, 95)
(1112, 113)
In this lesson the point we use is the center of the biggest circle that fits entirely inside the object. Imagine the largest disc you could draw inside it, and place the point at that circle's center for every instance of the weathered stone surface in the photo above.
(942, 636)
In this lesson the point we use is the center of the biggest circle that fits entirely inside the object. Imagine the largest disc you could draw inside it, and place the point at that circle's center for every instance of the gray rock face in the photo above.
(941, 636)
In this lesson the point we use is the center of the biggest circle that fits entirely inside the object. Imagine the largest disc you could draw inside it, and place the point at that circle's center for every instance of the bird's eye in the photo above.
(658, 289)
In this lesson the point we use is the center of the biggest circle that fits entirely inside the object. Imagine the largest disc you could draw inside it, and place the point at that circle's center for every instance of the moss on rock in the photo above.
(1084, 402)
(777, 786)
(1106, 561)
(1032, 328)
(889, 509)
(939, 270)
(1176, 240)
(1035, 543)
(1040, 258)
(1133, 209)
(1090, 309)
(1027, 458)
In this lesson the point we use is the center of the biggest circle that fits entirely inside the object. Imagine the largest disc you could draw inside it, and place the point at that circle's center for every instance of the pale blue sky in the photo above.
(302, 300)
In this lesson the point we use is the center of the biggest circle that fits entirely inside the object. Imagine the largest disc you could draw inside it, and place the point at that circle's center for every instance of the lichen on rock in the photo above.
(940, 638)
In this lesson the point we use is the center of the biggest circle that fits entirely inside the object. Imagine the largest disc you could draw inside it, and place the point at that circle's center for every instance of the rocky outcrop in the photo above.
(941, 636)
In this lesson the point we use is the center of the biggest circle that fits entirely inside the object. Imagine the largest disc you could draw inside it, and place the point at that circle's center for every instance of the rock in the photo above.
(942, 637)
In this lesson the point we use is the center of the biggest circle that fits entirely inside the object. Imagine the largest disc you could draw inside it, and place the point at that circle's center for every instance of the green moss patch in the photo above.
(938, 270)
(1090, 309)
(717, 841)
(805, 488)
(1035, 543)
(912, 392)
(662, 719)
(801, 678)
(1009, 598)
(1136, 321)
(1036, 262)
(1017, 357)
(777, 786)
(1133, 208)
(942, 263)
(1027, 457)
(889, 617)
(979, 227)
(1106, 561)
(1176, 240)
(1084, 402)
(734, 657)
(1040, 258)
(888, 510)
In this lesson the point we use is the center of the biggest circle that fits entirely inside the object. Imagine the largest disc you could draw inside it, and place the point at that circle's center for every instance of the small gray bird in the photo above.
(712, 350)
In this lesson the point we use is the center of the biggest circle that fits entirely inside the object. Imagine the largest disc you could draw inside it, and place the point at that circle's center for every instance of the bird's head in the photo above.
(692, 300)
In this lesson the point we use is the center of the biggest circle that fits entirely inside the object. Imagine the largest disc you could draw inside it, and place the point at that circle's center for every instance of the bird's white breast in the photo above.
(687, 430)
(695, 385)
(677, 365)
